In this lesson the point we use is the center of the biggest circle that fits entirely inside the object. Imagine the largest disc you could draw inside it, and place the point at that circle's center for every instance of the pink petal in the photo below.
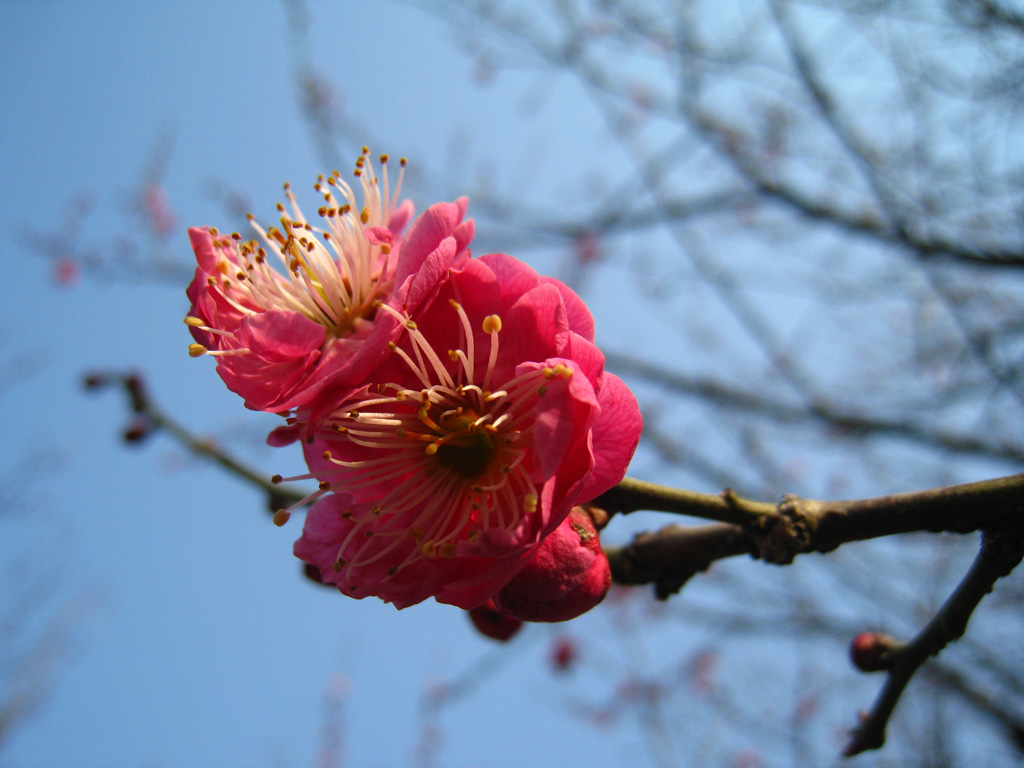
(615, 437)
(280, 336)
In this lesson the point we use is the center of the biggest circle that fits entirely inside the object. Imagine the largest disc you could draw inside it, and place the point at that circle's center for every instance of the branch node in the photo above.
(783, 534)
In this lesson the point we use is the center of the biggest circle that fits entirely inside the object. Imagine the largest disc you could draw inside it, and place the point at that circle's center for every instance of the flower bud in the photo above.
(564, 654)
(492, 622)
(567, 576)
(872, 651)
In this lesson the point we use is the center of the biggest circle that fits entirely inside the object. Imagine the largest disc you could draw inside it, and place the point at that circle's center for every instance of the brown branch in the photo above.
(148, 418)
(1000, 553)
(777, 533)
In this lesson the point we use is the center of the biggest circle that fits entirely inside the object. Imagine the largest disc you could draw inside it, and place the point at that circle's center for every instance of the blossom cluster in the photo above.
(454, 410)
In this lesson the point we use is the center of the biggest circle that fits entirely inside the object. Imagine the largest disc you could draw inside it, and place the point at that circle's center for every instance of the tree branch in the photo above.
(148, 418)
(1000, 553)
(777, 533)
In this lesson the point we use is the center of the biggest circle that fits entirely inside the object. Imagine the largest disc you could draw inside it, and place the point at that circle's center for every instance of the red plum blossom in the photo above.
(282, 335)
(468, 446)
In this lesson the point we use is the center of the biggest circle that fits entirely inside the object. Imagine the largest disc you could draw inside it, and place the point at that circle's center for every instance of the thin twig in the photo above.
(148, 418)
(999, 555)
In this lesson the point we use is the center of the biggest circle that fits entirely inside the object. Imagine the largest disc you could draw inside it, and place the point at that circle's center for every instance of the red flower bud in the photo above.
(564, 654)
(872, 651)
(492, 622)
(568, 575)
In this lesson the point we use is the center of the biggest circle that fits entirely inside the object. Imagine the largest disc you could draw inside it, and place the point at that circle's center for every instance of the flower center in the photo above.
(468, 449)
(440, 463)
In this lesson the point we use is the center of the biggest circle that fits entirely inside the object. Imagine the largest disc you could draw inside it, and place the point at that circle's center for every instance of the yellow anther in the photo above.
(492, 324)
(196, 350)
(448, 549)
(281, 517)
(431, 449)
(530, 502)
(453, 355)
(364, 215)
(194, 321)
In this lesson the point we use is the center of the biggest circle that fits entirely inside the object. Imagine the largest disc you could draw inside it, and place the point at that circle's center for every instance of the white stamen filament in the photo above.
(336, 281)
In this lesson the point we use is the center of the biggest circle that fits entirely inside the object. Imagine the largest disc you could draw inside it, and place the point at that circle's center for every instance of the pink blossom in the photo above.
(157, 207)
(280, 337)
(470, 443)
(66, 271)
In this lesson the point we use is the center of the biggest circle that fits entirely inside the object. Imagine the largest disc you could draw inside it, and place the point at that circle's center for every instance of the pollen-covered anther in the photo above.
(448, 549)
(492, 324)
(530, 502)
(281, 517)
(197, 350)
(195, 322)
(559, 371)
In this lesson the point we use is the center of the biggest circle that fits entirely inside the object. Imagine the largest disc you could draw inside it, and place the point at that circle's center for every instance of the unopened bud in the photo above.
(567, 576)
(138, 429)
(95, 380)
(564, 654)
(493, 623)
(872, 651)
